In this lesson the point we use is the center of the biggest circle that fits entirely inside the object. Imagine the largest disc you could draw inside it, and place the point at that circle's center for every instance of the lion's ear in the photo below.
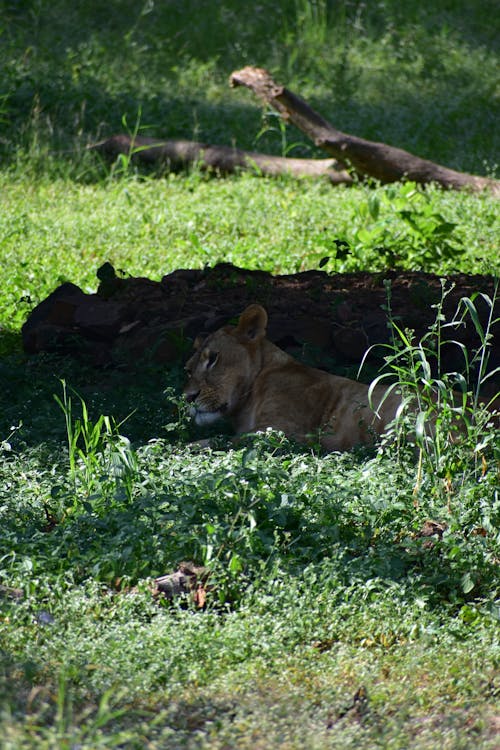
(252, 323)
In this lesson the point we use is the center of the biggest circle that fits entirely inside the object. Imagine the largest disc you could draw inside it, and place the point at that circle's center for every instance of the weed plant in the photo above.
(442, 413)
(97, 451)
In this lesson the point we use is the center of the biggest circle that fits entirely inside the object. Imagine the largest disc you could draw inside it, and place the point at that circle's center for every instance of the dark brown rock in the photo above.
(351, 343)
(162, 344)
(52, 319)
(100, 318)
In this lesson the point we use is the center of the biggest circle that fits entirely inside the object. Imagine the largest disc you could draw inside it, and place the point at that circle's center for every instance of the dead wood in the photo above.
(179, 154)
(188, 579)
(367, 158)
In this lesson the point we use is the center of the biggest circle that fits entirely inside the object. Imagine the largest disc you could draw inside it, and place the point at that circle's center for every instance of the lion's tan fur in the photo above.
(237, 372)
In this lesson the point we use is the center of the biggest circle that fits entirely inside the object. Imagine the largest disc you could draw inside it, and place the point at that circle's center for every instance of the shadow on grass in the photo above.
(28, 385)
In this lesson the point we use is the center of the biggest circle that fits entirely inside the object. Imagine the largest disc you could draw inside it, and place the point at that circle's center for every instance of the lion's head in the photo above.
(224, 367)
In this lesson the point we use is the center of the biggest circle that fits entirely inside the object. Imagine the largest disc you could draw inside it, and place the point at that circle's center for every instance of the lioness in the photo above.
(237, 372)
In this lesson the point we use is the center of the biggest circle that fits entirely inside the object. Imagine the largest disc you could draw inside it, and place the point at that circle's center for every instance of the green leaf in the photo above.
(420, 427)
(342, 249)
(467, 583)
(235, 564)
(374, 206)
(471, 308)
(444, 229)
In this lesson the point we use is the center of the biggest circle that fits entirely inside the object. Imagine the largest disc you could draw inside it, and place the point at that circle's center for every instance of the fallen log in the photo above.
(179, 154)
(368, 158)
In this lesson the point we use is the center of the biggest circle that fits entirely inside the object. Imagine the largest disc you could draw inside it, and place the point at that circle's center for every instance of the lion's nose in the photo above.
(190, 397)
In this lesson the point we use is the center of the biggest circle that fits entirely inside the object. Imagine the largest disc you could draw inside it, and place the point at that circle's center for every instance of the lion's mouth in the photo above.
(205, 417)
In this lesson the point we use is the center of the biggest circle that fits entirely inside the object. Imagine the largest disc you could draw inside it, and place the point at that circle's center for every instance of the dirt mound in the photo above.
(328, 320)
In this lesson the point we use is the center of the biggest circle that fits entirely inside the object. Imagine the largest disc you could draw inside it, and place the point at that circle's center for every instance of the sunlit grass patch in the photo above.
(65, 231)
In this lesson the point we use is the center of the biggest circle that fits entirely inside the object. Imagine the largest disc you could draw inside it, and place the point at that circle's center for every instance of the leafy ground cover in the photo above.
(354, 598)
(333, 619)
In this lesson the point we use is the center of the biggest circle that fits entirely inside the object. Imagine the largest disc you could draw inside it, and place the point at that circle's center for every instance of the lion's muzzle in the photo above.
(202, 418)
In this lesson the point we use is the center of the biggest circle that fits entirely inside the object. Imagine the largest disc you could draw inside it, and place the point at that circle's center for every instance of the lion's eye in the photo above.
(212, 359)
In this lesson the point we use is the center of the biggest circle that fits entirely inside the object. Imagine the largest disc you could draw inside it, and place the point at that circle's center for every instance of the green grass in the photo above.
(323, 586)
(54, 231)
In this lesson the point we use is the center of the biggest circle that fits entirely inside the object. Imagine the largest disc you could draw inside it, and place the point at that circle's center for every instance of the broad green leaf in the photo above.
(467, 583)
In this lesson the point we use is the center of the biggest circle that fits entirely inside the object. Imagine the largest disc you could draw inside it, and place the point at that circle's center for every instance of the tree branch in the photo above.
(368, 158)
(223, 159)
